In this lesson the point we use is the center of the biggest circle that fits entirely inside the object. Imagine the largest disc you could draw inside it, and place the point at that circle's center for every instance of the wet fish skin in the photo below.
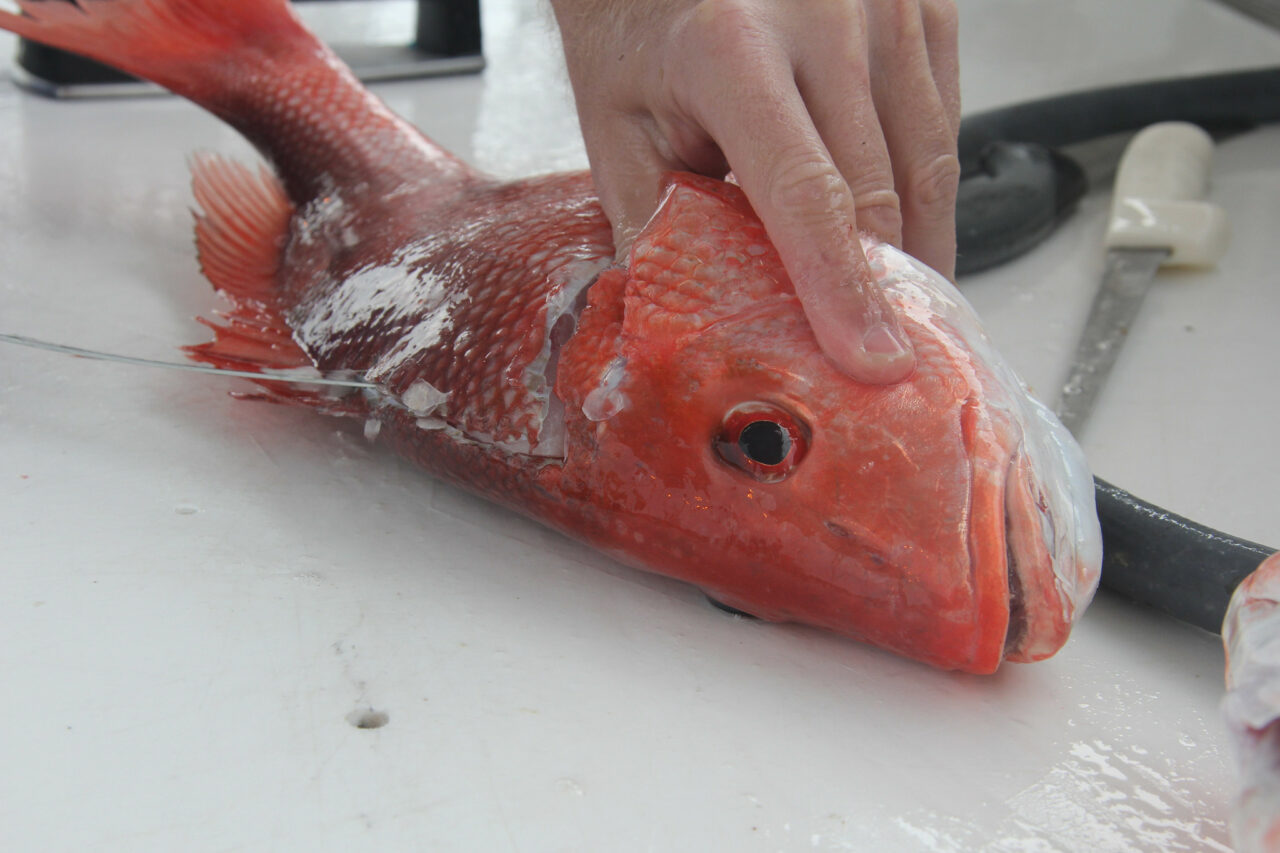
(943, 518)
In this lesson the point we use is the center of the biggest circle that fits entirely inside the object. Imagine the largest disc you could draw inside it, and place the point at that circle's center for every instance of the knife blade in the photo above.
(1158, 218)
(297, 376)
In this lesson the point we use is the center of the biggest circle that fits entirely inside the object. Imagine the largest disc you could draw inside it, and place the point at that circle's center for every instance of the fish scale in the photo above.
(449, 268)
(947, 517)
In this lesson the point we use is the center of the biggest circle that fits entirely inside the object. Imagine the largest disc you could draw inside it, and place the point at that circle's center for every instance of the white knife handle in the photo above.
(1158, 201)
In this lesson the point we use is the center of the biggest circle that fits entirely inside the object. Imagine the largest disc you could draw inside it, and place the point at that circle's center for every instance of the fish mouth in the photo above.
(1038, 621)
(1035, 547)
(1052, 544)
(1016, 633)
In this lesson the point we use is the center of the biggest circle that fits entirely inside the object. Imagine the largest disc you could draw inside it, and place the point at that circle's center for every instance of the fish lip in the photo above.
(1034, 538)
(1014, 553)
(1052, 532)
(1049, 576)
(1044, 610)
(1037, 624)
(992, 442)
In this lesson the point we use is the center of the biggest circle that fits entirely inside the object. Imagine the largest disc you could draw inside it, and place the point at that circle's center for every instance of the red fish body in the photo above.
(676, 412)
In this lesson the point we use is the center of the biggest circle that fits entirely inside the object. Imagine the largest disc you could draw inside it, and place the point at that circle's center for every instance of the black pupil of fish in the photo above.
(765, 442)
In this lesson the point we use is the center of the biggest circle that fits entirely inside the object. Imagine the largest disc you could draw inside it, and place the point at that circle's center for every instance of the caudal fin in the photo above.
(158, 40)
(255, 65)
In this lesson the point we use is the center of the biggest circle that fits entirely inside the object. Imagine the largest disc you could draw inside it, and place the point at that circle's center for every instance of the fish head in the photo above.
(948, 517)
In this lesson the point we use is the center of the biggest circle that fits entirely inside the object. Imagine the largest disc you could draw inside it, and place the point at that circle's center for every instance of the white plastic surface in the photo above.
(201, 598)
(1158, 197)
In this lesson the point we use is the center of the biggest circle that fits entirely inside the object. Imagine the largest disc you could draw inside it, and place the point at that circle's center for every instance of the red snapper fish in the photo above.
(675, 412)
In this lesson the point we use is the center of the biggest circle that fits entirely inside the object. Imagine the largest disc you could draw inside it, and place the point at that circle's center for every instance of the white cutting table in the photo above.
(201, 597)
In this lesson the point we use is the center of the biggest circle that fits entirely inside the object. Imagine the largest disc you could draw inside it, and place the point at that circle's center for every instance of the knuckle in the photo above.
(883, 200)
(843, 17)
(806, 189)
(874, 187)
(880, 212)
(724, 30)
(933, 187)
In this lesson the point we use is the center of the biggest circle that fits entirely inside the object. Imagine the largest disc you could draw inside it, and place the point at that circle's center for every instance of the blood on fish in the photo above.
(948, 517)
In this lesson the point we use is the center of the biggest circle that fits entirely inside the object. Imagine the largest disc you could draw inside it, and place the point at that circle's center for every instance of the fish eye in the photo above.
(764, 440)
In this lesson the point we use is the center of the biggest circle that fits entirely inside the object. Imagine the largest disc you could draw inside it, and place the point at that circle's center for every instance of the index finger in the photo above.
(809, 212)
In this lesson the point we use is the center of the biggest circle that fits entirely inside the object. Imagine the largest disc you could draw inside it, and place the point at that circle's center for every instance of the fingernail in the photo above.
(880, 340)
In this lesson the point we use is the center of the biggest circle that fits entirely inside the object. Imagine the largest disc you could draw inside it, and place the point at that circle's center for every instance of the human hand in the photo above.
(834, 116)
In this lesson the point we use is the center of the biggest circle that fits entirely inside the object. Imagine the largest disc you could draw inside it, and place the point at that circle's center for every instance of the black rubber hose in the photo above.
(1019, 194)
(1159, 558)
(1217, 102)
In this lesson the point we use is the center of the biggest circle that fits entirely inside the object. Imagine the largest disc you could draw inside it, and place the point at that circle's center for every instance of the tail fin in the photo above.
(158, 40)
(253, 64)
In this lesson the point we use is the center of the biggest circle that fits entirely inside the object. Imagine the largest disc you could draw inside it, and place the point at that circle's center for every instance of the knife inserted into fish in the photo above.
(1158, 218)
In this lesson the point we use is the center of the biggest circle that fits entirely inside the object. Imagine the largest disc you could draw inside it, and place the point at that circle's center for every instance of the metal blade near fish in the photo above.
(675, 411)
